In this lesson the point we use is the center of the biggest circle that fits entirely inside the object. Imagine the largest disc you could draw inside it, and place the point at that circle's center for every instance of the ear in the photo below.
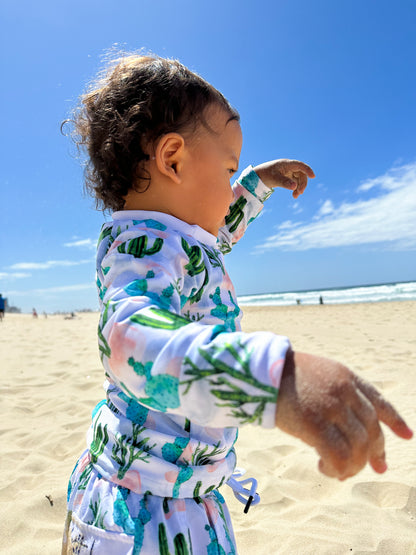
(169, 155)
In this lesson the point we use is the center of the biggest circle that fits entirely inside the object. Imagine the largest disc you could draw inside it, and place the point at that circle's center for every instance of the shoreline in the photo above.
(244, 307)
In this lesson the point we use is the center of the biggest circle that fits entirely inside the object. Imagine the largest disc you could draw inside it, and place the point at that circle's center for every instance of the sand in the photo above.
(51, 379)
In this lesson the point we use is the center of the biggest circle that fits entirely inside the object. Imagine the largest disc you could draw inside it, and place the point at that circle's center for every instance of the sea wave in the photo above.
(403, 291)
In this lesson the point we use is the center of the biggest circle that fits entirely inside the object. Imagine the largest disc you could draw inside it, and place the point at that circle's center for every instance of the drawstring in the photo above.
(246, 496)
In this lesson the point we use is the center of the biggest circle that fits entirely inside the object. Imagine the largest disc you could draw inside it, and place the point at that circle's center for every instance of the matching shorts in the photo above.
(107, 519)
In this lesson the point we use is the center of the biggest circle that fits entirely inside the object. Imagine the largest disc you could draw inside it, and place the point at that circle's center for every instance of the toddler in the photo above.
(181, 376)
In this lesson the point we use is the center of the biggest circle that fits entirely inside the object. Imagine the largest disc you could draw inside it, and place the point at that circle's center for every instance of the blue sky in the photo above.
(330, 83)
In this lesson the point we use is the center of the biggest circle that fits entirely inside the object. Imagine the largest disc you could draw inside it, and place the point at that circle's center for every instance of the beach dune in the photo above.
(51, 379)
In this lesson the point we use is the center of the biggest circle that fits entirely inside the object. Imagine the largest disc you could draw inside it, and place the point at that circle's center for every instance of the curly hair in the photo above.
(136, 100)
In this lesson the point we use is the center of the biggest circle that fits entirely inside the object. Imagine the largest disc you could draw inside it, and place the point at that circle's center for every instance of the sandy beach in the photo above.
(51, 379)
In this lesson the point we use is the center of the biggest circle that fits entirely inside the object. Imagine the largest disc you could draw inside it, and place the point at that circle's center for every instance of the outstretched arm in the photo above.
(289, 174)
(253, 188)
(327, 406)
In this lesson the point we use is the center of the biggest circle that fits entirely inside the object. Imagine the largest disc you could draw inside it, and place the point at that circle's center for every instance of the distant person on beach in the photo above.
(181, 376)
(34, 313)
(70, 317)
(321, 300)
(2, 306)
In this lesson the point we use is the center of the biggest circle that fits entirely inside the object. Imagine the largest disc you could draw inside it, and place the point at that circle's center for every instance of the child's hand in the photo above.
(289, 174)
(324, 404)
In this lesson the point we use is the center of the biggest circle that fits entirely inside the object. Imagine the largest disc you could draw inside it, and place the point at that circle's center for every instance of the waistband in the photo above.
(133, 457)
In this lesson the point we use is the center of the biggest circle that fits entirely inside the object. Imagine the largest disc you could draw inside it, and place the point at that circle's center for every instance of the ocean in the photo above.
(405, 291)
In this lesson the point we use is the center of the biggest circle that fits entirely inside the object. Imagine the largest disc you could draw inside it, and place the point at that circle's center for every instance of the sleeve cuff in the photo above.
(252, 183)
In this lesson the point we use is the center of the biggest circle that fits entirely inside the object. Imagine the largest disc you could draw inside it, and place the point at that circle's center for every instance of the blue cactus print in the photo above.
(181, 378)
(135, 412)
(221, 310)
(172, 451)
(141, 287)
(185, 474)
(151, 224)
(131, 526)
(162, 390)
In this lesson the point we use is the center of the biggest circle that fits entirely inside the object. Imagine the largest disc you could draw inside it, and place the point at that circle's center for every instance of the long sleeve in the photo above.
(250, 193)
(169, 335)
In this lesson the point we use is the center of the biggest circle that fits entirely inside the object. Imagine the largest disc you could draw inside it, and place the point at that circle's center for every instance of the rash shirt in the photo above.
(181, 376)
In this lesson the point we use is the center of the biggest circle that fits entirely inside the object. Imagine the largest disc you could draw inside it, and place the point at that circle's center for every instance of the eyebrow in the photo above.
(234, 158)
(235, 117)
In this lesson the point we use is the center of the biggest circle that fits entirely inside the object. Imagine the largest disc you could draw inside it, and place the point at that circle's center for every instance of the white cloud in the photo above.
(393, 179)
(297, 208)
(87, 243)
(51, 290)
(13, 275)
(389, 217)
(47, 265)
(326, 208)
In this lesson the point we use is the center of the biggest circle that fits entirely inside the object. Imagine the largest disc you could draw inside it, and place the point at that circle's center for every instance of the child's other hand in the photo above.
(324, 404)
(289, 174)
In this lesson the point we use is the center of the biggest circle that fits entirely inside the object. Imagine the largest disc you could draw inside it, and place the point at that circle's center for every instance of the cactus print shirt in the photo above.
(181, 376)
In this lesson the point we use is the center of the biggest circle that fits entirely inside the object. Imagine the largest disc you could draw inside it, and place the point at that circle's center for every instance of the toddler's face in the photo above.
(213, 160)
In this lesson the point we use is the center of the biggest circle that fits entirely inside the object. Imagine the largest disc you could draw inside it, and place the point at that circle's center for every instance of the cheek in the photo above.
(227, 196)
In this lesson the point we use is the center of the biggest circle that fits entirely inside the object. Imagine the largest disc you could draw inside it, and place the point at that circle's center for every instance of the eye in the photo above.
(232, 171)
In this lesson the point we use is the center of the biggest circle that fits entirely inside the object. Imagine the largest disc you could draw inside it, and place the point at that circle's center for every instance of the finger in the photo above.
(287, 182)
(336, 455)
(366, 415)
(297, 165)
(384, 410)
(302, 181)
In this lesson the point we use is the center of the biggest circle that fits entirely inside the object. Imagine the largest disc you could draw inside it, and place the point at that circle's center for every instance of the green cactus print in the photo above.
(236, 214)
(204, 456)
(159, 318)
(105, 232)
(98, 519)
(224, 247)
(133, 442)
(221, 310)
(197, 490)
(138, 246)
(193, 317)
(195, 266)
(214, 258)
(128, 449)
(85, 476)
(162, 389)
(231, 393)
(99, 441)
(103, 345)
(179, 543)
